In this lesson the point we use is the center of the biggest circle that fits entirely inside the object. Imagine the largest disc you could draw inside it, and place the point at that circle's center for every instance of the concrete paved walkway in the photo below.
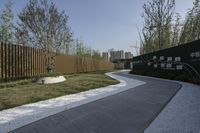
(127, 111)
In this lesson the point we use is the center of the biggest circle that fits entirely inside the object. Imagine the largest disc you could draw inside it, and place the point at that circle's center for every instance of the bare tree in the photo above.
(45, 28)
(6, 25)
(176, 31)
(191, 28)
(156, 31)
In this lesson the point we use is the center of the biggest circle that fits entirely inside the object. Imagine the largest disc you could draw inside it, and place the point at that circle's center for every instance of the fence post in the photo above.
(0, 61)
(9, 60)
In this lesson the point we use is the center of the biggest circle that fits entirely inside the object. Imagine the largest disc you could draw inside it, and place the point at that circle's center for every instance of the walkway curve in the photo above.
(127, 111)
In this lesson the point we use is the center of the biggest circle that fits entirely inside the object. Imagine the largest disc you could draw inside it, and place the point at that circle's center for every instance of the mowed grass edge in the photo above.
(26, 91)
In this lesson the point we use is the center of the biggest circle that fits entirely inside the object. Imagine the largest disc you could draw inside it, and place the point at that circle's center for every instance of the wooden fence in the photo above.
(18, 61)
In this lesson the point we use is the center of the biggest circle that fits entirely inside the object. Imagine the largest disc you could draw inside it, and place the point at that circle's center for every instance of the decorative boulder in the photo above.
(50, 80)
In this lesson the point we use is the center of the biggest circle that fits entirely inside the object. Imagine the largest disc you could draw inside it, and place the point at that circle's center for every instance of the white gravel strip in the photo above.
(19, 116)
(182, 114)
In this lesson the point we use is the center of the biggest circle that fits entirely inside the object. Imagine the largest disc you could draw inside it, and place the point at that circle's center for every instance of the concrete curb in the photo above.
(20, 116)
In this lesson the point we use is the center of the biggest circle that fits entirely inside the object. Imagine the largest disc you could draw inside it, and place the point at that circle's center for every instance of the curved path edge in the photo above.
(17, 117)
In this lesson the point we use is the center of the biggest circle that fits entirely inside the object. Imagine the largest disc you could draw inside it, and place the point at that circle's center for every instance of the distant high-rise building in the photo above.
(106, 56)
(114, 55)
(128, 55)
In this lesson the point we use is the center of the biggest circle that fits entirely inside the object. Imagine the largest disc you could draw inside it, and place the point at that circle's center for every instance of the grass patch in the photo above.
(25, 91)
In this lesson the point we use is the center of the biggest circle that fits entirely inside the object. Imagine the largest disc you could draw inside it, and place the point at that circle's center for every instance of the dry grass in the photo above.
(26, 91)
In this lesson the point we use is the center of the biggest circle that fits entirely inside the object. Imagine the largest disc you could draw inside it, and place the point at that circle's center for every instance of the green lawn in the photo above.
(21, 92)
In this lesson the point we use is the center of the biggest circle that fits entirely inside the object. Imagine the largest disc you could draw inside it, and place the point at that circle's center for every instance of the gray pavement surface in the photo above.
(181, 115)
(130, 111)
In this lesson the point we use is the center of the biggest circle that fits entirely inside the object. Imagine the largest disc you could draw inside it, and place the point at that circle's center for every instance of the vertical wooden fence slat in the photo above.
(39, 65)
(43, 62)
(41, 54)
(33, 65)
(33, 61)
(40, 61)
(22, 63)
(12, 60)
(25, 61)
(6, 61)
(19, 61)
(1, 61)
(16, 61)
(30, 60)
(39, 72)
(37, 60)
(9, 61)
(29, 67)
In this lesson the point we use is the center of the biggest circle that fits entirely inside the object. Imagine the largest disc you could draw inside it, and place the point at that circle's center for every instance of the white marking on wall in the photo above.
(163, 65)
(179, 67)
(169, 65)
(169, 58)
(177, 58)
(161, 57)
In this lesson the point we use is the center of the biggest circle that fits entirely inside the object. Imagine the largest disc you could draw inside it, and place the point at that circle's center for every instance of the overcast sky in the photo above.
(104, 24)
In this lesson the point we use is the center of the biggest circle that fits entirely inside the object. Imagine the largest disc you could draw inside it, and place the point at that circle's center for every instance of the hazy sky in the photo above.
(104, 24)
